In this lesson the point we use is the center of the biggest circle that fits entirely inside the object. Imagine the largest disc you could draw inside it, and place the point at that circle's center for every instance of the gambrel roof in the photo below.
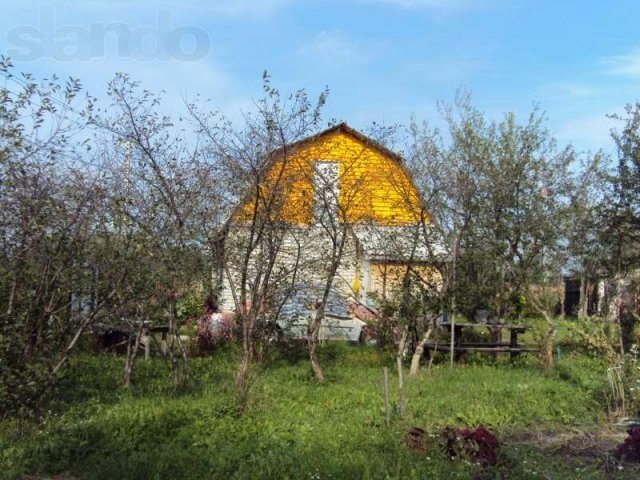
(344, 128)
(374, 185)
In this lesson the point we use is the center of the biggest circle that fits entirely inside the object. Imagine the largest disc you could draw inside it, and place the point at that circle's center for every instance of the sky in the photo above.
(384, 61)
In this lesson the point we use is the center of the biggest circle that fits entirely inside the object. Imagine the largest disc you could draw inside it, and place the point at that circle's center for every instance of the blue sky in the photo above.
(383, 60)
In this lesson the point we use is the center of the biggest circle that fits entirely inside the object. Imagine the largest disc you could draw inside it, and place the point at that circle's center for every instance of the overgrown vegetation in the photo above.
(297, 428)
(122, 216)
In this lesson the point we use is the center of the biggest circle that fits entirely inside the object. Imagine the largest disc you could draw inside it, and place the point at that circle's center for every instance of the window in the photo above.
(326, 189)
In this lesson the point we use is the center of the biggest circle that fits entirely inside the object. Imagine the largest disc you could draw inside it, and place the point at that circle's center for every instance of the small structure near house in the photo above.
(607, 297)
(580, 294)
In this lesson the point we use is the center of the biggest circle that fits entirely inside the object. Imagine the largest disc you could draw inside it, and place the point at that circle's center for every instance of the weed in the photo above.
(296, 428)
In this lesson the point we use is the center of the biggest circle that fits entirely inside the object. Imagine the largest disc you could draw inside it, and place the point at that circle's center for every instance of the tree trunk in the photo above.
(433, 354)
(185, 361)
(315, 361)
(242, 376)
(418, 353)
(173, 331)
(584, 298)
(132, 351)
(453, 339)
(402, 344)
(312, 342)
(12, 295)
(74, 340)
(180, 374)
(128, 364)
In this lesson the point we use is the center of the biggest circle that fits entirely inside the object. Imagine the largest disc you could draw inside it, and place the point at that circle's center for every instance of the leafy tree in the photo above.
(168, 204)
(621, 211)
(499, 196)
(52, 201)
(256, 157)
(620, 220)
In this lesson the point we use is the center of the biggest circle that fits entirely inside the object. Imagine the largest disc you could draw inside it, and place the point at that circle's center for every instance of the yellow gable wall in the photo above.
(373, 186)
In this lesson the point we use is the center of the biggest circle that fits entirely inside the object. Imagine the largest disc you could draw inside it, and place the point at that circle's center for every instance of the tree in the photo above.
(447, 176)
(169, 206)
(619, 216)
(619, 211)
(338, 191)
(52, 202)
(500, 196)
(256, 157)
(626, 187)
(587, 246)
(419, 290)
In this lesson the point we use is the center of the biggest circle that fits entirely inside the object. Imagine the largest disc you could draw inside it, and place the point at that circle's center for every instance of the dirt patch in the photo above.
(577, 447)
(585, 444)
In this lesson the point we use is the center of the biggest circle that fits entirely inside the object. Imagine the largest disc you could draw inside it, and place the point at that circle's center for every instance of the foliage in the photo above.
(403, 307)
(499, 193)
(256, 232)
(384, 332)
(600, 339)
(476, 444)
(619, 214)
(594, 336)
(189, 307)
(215, 331)
(108, 216)
(295, 428)
(170, 206)
(630, 329)
(630, 448)
(49, 221)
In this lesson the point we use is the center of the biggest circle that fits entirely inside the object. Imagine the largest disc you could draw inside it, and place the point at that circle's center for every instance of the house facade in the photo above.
(340, 177)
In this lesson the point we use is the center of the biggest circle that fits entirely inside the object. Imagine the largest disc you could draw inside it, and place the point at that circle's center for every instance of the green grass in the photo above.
(295, 428)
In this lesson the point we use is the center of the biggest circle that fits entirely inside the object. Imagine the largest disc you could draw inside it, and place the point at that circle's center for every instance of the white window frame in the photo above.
(326, 190)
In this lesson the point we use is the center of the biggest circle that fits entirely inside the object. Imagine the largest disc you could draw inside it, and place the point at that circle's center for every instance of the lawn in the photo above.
(549, 424)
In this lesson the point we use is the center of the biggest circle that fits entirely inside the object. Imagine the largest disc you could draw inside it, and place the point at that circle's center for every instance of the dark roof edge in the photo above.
(343, 127)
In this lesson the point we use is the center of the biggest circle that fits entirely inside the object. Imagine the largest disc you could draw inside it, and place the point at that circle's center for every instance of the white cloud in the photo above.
(176, 79)
(333, 48)
(567, 90)
(425, 3)
(232, 8)
(591, 131)
(627, 65)
(441, 5)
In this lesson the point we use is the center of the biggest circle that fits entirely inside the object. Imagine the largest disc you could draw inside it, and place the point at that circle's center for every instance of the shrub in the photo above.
(630, 448)
(214, 331)
(189, 308)
(477, 444)
(629, 324)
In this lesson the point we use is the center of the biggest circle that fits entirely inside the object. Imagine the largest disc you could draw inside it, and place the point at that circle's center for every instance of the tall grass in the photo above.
(294, 427)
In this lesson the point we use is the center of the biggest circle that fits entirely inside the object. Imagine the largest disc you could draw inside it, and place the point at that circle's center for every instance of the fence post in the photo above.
(387, 413)
(400, 387)
(165, 348)
(147, 346)
(453, 336)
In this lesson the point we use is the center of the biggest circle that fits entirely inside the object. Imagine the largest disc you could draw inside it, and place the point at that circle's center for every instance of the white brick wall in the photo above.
(310, 247)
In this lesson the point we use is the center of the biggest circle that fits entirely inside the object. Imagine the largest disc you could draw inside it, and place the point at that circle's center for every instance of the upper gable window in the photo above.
(326, 189)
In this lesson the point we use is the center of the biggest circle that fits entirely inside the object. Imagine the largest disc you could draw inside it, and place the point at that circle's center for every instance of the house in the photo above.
(337, 178)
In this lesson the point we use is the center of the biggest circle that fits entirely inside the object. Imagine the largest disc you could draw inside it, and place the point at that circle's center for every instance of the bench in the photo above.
(495, 345)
